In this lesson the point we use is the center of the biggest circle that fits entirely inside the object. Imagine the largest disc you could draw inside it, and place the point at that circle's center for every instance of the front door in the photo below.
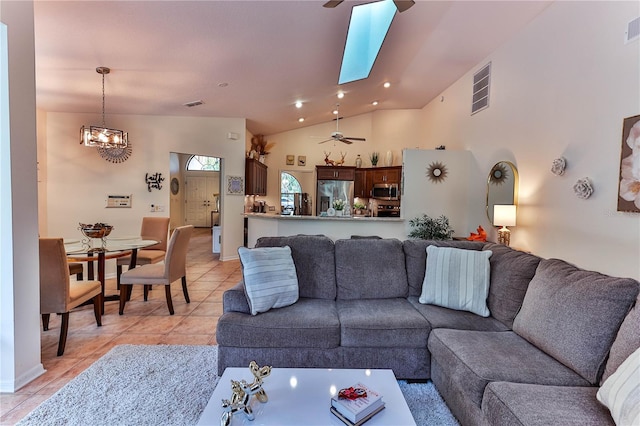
(199, 200)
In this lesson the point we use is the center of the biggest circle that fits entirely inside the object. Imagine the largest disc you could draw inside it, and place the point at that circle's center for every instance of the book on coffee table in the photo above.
(356, 411)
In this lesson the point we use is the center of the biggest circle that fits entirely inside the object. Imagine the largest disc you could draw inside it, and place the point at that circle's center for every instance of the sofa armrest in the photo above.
(234, 300)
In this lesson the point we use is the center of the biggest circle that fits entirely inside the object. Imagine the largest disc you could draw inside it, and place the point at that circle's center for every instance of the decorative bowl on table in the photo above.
(96, 230)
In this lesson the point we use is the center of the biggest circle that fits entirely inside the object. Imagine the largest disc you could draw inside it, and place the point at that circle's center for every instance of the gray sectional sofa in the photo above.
(538, 358)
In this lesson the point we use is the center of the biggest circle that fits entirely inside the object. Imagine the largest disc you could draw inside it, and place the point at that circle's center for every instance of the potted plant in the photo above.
(358, 207)
(427, 228)
(338, 205)
(374, 156)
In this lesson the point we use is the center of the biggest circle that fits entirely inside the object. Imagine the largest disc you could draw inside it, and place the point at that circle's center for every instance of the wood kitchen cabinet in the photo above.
(255, 177)
(362, 184)
(386, 175)
(335, 173)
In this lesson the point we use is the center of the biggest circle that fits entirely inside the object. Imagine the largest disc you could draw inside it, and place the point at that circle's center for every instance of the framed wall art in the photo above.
(629, 182)
(235, 185)
(302, 160)
(291, 160)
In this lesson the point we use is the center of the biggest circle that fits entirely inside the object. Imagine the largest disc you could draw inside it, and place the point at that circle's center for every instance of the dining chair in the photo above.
(174, 268)
(58, 294)
(76, 269)
(153, 228)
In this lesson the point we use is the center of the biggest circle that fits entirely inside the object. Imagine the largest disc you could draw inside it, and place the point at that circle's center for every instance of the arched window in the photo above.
(202, 163)
(289, 185)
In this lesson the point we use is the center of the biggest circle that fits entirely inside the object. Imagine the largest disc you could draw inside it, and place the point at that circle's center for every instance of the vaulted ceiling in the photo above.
(255, 59)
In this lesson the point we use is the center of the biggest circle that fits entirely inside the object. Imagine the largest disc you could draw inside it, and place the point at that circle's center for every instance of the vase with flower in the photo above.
(338, 206)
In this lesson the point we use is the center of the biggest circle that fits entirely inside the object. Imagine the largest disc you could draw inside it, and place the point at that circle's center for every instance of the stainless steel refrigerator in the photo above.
(330, 190)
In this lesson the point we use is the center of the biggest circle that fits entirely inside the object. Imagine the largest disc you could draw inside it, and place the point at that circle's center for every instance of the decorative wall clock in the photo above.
(115, 155)
(437, 172)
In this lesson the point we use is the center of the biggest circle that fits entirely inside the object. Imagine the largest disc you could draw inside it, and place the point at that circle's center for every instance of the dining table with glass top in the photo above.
(100, 250)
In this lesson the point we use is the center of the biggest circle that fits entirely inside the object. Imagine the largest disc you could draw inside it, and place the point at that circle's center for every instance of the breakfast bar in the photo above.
(271, 225)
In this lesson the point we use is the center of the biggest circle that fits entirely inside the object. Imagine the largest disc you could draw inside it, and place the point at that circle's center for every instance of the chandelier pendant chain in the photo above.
(103, 120)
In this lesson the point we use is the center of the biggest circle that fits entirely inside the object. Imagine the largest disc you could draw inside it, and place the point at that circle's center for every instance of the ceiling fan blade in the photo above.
(347, 141)
(355, 139)
(401, 5)
(328, 140)
(332, 3)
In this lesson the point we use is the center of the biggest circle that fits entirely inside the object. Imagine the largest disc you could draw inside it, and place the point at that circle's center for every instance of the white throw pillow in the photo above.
(457, 279)
(620, 393)
(270, 279)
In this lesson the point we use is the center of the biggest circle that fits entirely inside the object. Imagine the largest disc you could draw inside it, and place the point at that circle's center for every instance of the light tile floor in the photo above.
(142, 323)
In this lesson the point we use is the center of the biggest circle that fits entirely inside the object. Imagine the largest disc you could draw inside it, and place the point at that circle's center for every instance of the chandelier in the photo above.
(103, 137)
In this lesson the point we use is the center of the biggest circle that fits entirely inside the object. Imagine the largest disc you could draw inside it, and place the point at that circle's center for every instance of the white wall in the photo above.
(19, 273)
(560, 88)
(78, 180)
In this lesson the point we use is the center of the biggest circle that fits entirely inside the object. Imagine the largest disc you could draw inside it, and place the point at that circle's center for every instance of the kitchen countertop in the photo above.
(334, 218)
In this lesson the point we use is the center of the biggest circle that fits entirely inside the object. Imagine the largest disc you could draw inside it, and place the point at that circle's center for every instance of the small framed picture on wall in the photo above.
(302, 160)
(290, 160)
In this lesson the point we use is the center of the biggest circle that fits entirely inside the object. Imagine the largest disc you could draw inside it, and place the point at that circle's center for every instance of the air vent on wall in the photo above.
(633, 31)
(192, 104)
(481, 81)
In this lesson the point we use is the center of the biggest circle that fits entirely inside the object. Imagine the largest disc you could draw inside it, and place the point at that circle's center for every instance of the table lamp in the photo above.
(504, 215)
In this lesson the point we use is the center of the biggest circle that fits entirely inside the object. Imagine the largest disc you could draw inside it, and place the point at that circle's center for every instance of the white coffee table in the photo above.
(301, 396)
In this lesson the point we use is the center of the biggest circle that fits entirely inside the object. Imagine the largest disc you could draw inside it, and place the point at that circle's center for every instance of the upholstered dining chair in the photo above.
(153, 228)
(76, 269)
(174, 268)
(58, 294)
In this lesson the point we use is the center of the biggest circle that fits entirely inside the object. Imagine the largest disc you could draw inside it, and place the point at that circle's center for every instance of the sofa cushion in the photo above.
(621, 391)
(314, 258)
(457, 279)
(439, 317)
(574, 315)
(235, 299)
(415, 252)
(269, 278)
(511, 273)
(384, 323)
(513, 404)
(370, 269)
(472, 359)
(309, 323)
(627, 340)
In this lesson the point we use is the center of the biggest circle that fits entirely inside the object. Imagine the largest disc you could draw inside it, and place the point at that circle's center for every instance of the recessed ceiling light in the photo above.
(340, 95)
(374, 103)
(223, 84)
(298, 104)
(387, 85)
(301, 119)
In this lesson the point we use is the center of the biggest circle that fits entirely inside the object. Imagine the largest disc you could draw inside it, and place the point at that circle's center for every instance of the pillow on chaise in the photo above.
(457, 279)
(269, 278)
(620, 393)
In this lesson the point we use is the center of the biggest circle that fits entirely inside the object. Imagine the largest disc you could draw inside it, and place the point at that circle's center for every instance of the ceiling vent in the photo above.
(194, 103)
(481, 81)
(633, 31)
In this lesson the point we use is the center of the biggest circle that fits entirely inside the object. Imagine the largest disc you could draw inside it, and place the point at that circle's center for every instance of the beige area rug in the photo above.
(170, 385)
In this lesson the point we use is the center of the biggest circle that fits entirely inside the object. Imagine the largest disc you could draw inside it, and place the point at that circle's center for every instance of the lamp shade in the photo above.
(504, 215)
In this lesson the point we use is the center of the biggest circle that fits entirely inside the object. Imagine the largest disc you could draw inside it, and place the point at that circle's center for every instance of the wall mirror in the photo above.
(292, 182)
(502, 186)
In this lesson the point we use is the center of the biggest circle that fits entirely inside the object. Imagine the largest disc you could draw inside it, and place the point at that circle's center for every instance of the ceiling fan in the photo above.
(402, 5)
(337, 136)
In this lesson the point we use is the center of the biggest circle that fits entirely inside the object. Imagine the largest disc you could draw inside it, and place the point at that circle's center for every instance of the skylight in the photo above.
(367, 29)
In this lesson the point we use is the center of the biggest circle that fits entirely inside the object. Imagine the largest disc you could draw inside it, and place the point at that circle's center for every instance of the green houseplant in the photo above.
(374, 156)
(427, 228)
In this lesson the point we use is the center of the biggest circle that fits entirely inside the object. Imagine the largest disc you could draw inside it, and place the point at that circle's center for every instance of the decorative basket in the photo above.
(96, 230)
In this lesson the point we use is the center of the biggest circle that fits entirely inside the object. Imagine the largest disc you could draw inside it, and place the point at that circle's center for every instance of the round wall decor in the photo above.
(437, 172)
(175, 186)
(115, 155)
(498, 174)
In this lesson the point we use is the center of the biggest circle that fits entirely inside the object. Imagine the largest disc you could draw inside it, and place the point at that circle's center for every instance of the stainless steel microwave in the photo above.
(385, 191)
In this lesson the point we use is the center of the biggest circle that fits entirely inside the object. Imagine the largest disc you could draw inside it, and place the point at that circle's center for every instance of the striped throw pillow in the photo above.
(620, 393)
(457, 279)
(270, 279)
